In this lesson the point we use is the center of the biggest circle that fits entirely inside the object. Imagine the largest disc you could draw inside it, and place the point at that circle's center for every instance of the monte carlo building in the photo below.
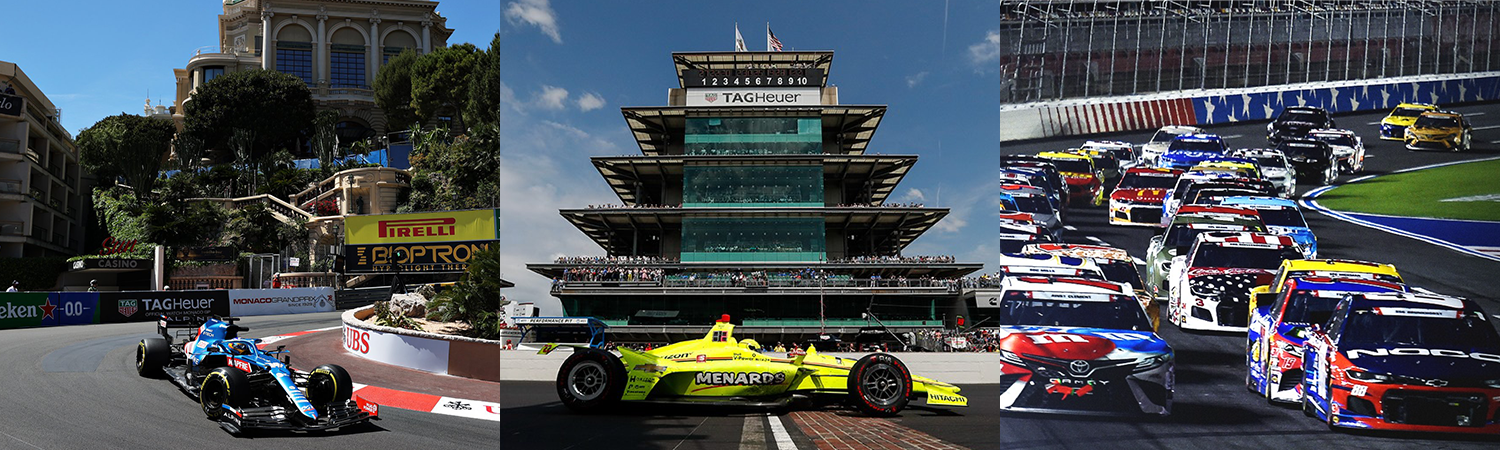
(43, 188)
(754, 196)
(335, 46)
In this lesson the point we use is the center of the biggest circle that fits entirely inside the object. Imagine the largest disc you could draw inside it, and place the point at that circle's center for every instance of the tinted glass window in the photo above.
(1284, 217)
(1146, 182)
(1016, 309)
(1242, 257)
(1305, 307)
(1437, 121)
(1365, 327)
(1302, 116)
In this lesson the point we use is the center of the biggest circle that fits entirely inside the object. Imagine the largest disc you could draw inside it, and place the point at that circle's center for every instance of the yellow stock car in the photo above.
(720, 369)
(1393, 126)
(1440, 130)
(1330, 268)
(1085, 182)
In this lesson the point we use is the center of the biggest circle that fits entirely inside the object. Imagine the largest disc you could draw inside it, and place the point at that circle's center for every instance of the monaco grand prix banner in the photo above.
(42, 309)
(258, 302)
(141, 306)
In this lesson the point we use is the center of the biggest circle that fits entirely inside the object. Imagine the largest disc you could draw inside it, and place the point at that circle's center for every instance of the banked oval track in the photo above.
(1211, 407)
(76, 388)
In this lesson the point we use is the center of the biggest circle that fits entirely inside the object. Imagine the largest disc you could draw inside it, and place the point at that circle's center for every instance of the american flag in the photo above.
(772, 44)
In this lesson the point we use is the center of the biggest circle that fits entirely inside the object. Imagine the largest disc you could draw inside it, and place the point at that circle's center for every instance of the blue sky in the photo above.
(567, 67)
(95, 59)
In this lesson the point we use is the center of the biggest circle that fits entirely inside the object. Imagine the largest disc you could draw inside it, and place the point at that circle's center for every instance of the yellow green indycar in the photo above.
(719, 369)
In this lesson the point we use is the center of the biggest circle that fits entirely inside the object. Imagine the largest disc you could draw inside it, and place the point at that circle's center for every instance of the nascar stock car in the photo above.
(1294, 122)
(1282, 217)
(1330, 268)
(719, 369)
(1152, 150)
(1080, 346)
(1274, 167)
(1137, 199)
(1017, 229)
(1085, 182)
(1187, 151)
(1441, 130)
(1273, 349)
(243, 387)
(1183, 231)
(1114, 263)
(1125, 154)
(1312, 159)
(1393, 126)
(1348, 149)
(1210, 287)
(1404, 362)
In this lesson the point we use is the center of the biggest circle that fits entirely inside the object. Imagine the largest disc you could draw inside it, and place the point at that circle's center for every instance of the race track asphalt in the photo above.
(76, 388)
(1212, 409)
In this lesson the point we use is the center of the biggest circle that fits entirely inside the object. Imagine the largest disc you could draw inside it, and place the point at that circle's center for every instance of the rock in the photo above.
(409, 305)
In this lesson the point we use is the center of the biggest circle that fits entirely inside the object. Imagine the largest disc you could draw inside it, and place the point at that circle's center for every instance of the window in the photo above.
(347, 68)
(717, 239)
(295, 58)
(749, 186)
(753, 135)
(209, 73)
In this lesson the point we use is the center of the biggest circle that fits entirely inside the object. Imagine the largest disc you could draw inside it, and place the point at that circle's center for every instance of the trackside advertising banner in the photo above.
(41, 309)
(140, 306)
(429, 355)
(445, 226)
(257, 302)
(440, 257)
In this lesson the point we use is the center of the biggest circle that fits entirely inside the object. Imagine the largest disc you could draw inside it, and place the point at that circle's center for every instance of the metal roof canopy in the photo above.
(897, 227)
(852, 125)
(622, 172)
(820, 59)
(857, 270)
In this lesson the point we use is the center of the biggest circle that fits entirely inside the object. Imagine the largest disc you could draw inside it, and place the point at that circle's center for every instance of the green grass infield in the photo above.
(1461, 191)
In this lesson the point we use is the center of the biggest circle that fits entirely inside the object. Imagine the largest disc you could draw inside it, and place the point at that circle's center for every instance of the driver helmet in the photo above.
(237, 348)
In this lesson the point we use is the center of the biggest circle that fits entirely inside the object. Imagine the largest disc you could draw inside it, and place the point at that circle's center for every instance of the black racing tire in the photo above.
(151, 355)
(223, 386)
(591, 380)
(329, 384)
(879, 385)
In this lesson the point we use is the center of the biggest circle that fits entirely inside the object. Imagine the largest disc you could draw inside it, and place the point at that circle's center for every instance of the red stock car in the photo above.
(1137, 200)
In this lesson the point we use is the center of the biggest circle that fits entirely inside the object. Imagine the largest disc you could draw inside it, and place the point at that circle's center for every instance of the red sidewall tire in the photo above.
(870, 402)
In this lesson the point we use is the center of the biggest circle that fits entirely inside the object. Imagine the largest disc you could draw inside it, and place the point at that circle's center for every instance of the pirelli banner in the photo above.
(445, 226)
(439, 257)
(140, 306)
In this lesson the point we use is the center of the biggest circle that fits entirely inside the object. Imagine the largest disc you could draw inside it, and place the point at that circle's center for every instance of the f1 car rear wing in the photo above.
(167, 323)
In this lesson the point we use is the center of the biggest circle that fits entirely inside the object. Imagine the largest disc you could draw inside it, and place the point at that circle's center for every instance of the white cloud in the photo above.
(914, 80)
(508, 99)
(986, 51)
(590, 102)
(551, 97)
(913, 195)
(535, 12)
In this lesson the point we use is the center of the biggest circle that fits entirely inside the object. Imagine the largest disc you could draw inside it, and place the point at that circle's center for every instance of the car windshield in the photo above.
(1272, 161)
(1408, 112)
(1437, 122)
(1300, 148)
(1164, 136)
(1351, 275)
(1133, 181)
(1008, 203)
(1242, 257)
(1121, 272)
(1073, 165)
(1197, 146)
(1033, 204)
(1182, 236)
(1336, 139)
(1303, 306)
(1366, 327)
(1283, 217)
(1302, 116)
(1019, 309)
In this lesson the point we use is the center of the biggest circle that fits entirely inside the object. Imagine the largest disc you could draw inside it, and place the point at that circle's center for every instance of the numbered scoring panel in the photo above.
(752, 77)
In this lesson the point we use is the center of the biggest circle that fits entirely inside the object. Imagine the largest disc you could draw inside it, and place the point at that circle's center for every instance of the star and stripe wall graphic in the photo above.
(1104, 115)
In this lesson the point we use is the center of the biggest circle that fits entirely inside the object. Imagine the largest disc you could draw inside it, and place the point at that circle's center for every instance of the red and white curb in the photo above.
(414, 401)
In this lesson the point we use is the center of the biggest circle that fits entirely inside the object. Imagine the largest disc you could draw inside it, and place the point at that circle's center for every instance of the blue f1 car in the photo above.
(241, 386)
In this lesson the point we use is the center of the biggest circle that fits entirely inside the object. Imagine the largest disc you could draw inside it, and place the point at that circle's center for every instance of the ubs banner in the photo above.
(257, 302)
(445, 226)
(421, 258)
(41, 309)
(140, 306)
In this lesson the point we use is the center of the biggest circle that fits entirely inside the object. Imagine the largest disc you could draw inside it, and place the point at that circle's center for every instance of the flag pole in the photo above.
(768, 36)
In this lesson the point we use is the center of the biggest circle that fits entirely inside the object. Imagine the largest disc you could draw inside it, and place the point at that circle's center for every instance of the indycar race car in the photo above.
(720, 369)
(242, 387)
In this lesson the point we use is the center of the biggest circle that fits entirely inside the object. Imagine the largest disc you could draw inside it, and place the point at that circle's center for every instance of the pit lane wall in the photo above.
(46, 309)
(429, 352)
(1219, 106)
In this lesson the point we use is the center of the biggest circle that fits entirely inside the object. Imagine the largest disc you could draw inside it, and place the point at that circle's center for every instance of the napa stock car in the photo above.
(1105, 161)
(1393, 126)
(243, 387)
(1278, 329)
(1137, 199)
(1404, 362)
(1282, 217)
(1210, 287)
(1274, 167)
(1085, 182)
(1187, 151)
(1294, 123)
(1183, 232)
(1152, 150)
(1440, 130)
(719, 369)
(1080, 346)
(1312, 159)
(1124, 153)
(1348, 148)
(1115, 263)
(1328, 268)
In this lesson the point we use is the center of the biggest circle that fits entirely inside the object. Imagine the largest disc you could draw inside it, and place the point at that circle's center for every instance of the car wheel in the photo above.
(329, 384)
(150, 356)
(879, 384)
(590, 380)
(223, 386)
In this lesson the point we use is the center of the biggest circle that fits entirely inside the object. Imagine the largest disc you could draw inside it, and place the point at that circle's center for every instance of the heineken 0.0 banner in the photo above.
(40, 309)
(139, 306)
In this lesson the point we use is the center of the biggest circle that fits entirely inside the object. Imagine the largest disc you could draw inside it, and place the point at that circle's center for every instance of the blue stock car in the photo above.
(241, 386)
(1278, 330)
(1283, 218)
(1187, 151)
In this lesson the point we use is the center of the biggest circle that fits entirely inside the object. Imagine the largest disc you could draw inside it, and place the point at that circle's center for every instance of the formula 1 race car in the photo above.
(719, 369)
(241, 386)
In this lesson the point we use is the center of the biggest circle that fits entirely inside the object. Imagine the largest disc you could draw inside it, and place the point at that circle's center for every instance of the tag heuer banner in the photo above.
(424, 258)
(119, 307)
(446, 226)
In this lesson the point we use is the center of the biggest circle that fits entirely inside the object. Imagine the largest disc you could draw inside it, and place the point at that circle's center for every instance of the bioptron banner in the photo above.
(445, 226)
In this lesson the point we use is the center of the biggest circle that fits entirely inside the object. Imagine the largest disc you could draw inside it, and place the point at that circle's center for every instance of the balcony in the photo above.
(12, 228)
(10, 187)
(10, 146)
(38, 195)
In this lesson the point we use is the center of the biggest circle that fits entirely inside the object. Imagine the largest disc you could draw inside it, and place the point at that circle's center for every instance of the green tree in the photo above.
(475, 299)
(454, 173)
(483, 105)
(126, 146)
(440, 79)
(269, 109)
(393, 91)
(324, 140)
